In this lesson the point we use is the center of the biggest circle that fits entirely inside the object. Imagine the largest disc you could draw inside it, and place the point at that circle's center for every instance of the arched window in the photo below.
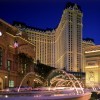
(1, 52)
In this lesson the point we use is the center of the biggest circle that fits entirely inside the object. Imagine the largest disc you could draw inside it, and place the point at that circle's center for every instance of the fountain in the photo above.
(36, 79)
(64, 77)
(59, 85)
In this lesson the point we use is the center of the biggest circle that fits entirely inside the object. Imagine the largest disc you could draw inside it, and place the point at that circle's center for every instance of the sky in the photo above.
(47, 14)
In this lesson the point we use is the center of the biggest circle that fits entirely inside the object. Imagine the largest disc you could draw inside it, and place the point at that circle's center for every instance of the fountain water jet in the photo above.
(77, 82)
(35, 79)
(63, 76)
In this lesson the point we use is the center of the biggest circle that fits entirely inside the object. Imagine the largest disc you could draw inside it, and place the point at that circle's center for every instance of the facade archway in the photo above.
(1, 83)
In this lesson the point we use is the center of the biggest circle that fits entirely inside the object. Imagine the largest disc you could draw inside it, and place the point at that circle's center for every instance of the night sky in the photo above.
(47, 14)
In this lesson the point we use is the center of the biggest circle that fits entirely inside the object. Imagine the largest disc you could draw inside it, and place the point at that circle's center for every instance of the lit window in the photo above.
(11, 83)
(8, 65)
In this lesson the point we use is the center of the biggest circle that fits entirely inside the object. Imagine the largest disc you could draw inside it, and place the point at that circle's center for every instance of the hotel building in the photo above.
(61, 47)
(91, 63)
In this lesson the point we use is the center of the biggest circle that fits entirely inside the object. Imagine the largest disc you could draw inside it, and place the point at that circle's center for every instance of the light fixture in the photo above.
(0, 33)
(6, 76)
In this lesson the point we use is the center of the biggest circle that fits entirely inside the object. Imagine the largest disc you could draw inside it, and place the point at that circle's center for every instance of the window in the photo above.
(8, 65)
(1, 52)
(11, 83)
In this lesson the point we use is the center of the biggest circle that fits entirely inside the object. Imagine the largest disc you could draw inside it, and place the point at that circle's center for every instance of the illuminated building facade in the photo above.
(16, 55)
(44, 42)
(92, 65)
(68, 39)
(85, 43)
(61, 47)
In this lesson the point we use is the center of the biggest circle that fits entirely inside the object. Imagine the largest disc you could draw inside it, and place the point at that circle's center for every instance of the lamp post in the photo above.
(5, 80)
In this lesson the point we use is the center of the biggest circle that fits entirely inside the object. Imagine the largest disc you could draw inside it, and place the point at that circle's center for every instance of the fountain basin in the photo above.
(31, 96)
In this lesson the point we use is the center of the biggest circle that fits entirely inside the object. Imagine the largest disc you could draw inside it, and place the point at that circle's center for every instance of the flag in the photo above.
(15, 44)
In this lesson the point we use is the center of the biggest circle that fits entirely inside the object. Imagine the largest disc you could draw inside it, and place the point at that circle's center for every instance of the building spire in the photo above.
(72, 5)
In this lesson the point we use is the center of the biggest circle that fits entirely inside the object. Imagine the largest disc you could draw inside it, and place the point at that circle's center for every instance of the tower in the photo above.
(68, 39)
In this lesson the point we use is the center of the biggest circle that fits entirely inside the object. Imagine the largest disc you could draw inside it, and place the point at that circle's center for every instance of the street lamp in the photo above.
(0, 33)
(5, 80)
